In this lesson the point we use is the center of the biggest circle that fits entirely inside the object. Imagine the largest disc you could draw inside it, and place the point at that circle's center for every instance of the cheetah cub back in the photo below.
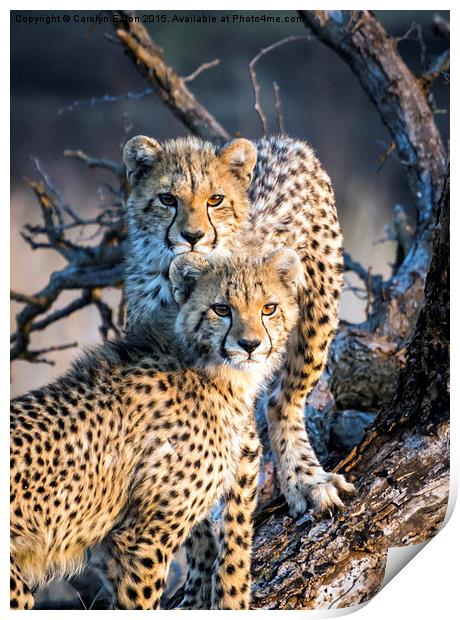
(132, 448)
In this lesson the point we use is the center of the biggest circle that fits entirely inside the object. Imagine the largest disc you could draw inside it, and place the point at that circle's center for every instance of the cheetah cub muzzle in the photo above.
(132, 448)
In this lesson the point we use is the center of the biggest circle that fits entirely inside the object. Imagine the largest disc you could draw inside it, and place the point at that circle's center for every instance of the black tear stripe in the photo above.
(167, 241)
(214, 243)
(269, 338)
(223, 351)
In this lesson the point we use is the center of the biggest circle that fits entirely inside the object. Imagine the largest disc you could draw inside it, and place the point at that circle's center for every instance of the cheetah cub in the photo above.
(189, 195)
(131, 448)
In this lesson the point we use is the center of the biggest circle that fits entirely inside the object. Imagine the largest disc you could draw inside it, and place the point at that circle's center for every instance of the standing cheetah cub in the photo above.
(253, 197)
(135, 444)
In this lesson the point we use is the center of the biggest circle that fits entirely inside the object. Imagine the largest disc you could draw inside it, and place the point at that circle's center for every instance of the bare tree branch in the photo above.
(375, 282)
(170, 88)
(92, 162)
(70, 278)
(361, 41)
(75, 305)
(441, 27)
(88, 268)
(204, 67)
(279, 111)
(105, 312)
(407, 36)
(255, 83)
(25, 299)
(94, 101)
(36, 356)
(438, 66)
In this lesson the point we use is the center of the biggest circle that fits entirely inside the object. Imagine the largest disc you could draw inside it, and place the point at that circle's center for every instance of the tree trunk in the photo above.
(401, 473)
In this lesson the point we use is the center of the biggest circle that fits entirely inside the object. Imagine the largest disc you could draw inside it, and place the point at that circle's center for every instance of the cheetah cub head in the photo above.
(238, 311)
(187, 194)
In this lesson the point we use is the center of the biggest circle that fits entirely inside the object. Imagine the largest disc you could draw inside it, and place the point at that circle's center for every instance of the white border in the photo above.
(426, 588)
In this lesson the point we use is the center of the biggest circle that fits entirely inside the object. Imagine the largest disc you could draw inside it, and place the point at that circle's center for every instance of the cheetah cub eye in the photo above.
(269, 309)
(221, 309)
(215, 200)
(168, 200)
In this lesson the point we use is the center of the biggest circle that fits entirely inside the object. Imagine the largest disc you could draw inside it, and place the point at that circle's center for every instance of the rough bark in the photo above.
(400, 469)
(363, 369)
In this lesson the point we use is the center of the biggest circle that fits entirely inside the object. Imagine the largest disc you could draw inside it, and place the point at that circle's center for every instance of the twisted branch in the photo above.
(361, 41)
(88, 268)
(93, 162)
(170, 88)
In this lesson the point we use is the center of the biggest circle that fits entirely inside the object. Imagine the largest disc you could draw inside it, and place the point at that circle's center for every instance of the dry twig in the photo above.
(94, 101)
(88, 268)
(255, 83)
(279, 111)
(204, 67)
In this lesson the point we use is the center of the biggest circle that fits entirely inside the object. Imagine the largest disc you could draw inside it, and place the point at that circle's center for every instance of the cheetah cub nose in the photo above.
(192, 236)
(248, 345)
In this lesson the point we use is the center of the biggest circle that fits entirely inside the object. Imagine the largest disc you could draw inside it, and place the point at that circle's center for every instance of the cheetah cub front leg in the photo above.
(304, 483)
(201, 552)
(21, 596)
(231, 588)
(138, 562)
(220, 578)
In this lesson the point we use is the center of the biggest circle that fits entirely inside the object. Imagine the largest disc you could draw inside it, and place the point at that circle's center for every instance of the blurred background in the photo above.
(60, 71)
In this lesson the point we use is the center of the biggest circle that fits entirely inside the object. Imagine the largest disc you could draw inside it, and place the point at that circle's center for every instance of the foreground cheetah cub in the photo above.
(135, 444)
(254, 197)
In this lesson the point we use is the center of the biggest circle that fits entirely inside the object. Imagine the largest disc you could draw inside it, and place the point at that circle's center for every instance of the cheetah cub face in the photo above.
(187, 194)
(237, 311)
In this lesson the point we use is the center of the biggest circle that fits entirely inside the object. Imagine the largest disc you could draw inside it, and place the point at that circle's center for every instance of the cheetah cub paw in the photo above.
(318, 491)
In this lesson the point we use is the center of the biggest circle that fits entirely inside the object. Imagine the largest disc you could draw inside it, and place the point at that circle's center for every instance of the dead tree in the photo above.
(401, 472)
(395, 363)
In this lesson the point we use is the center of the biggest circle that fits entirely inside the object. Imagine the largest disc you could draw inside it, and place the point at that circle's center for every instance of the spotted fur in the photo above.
(132, 448)
(290, 203)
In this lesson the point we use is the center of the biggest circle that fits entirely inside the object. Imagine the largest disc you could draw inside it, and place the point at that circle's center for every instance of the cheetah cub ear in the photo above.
(240, 157)
(287, 264)
(139, 155)
(184, 273)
